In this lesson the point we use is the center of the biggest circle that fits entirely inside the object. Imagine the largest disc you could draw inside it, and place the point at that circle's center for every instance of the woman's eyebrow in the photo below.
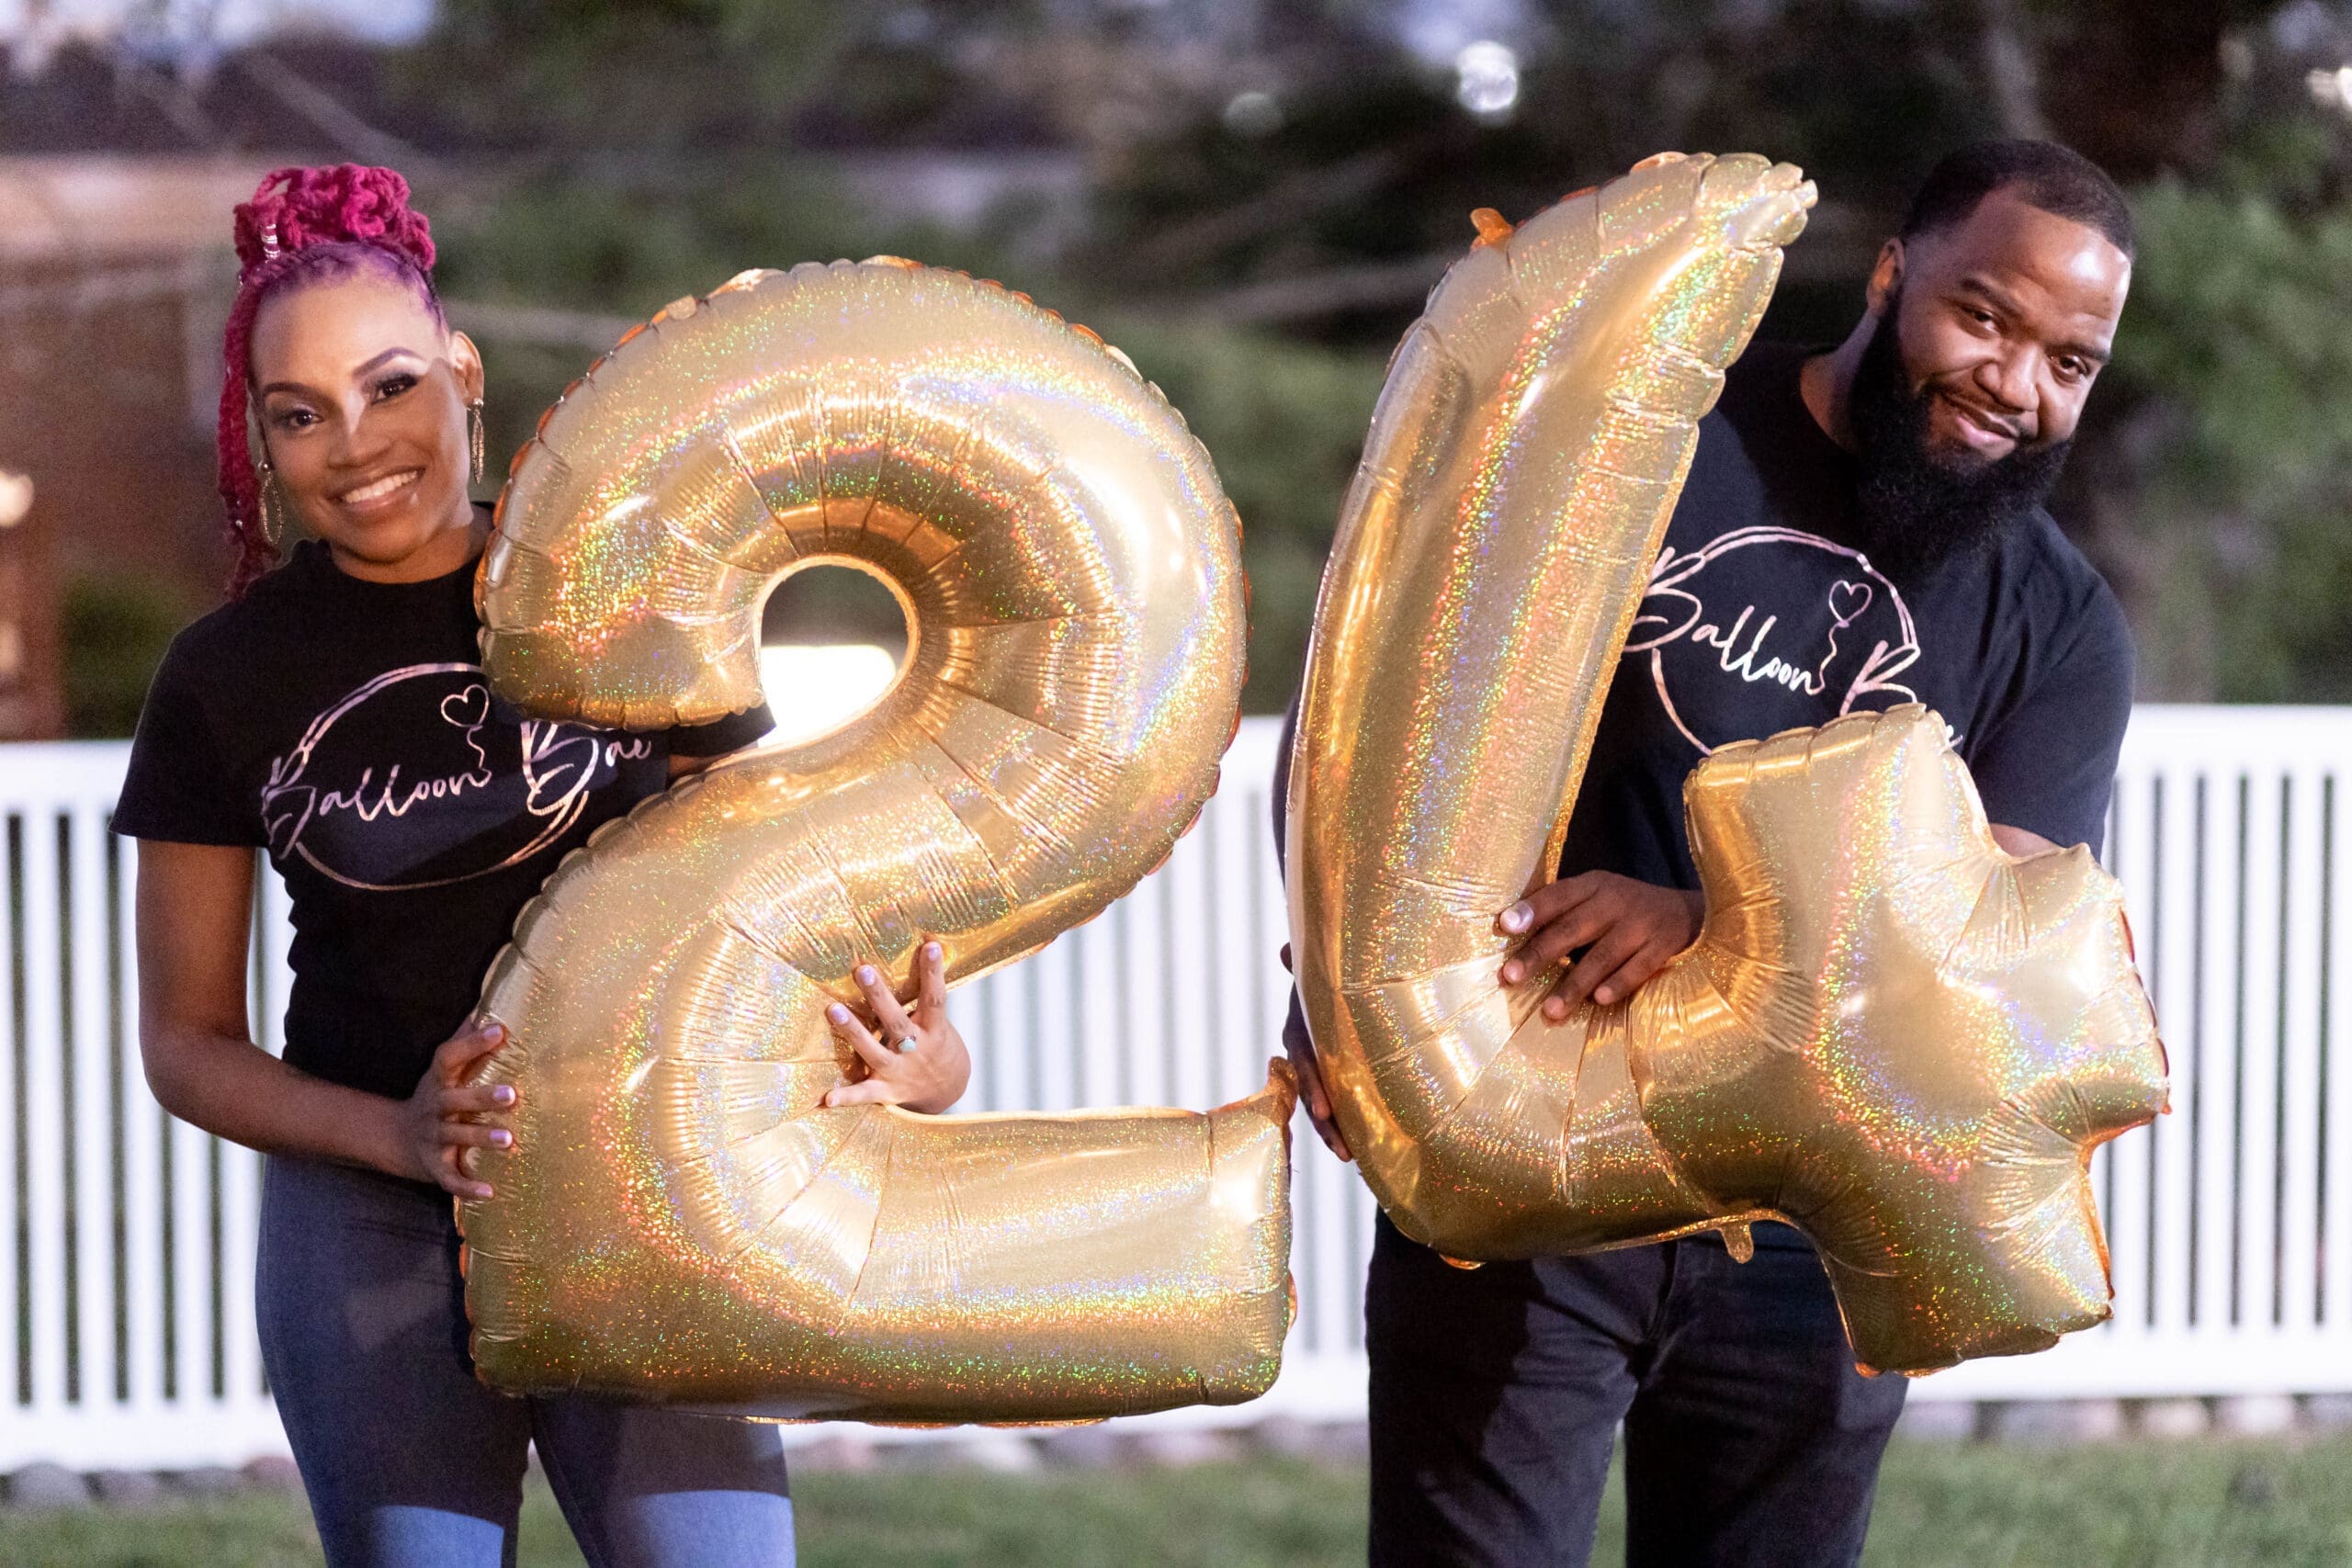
(391, 354)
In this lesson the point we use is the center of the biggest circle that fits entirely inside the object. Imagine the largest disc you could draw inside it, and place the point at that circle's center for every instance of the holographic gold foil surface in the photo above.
(678, 1220)
(1889, 1033)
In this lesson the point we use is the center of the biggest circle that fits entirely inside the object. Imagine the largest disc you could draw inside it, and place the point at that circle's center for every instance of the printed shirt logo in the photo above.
(1815, 634)
(409, 781)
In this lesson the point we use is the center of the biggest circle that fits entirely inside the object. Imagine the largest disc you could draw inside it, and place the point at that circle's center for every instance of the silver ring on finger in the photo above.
(904, 1045)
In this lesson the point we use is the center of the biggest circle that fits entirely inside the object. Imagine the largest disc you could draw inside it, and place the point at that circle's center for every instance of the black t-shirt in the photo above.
(1763, 615)
(345, 726)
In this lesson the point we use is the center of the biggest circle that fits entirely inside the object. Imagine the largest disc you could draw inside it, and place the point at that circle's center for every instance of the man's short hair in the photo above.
(2058, 180)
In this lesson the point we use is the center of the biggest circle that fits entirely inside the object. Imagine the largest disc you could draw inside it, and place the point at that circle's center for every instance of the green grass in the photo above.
(2135, 1504)
(2121, 1504)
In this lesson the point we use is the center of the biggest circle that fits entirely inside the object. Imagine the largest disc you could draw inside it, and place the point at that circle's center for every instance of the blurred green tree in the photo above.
(634, 77)
(2229, 443)
(113, 631)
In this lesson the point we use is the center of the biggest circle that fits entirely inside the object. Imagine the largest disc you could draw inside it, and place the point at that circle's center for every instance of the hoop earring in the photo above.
(476, 434)
(273, 518)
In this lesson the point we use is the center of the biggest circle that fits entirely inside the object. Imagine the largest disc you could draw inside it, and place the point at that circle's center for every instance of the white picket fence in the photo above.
(128, 1283)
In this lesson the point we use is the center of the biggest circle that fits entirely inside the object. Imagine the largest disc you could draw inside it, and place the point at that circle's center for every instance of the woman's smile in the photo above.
(380, 494)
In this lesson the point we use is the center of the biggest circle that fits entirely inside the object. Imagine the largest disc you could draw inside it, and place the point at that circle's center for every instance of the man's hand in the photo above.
(2020, 842)
(1629, 931)
(1300, 1048)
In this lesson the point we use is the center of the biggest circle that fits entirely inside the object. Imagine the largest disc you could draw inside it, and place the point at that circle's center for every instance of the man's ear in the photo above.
(1886, 276)
(465, 360)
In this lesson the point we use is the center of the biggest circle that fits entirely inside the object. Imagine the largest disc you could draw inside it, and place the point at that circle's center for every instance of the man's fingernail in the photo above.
(1511, 972)
(503, 1094)
(496, 1032)
(1515, 918)
(501, 1137)
(1604, 996)
(866, 974)
(1555, 1009)
(838, 1013)
(931, 950)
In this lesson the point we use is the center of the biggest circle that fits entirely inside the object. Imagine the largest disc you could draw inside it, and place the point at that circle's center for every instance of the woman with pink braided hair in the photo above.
(311, 225)
(333, 714)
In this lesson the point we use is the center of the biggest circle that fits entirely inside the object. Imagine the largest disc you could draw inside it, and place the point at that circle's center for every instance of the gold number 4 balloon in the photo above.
(1889, 1033)
(678, 1220)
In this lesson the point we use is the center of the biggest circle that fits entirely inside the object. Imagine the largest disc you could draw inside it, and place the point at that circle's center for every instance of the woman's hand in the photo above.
(446, 1116)
(919, 1062)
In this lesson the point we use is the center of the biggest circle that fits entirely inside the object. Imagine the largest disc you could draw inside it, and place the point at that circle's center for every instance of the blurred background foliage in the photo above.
(116, 630)
(1251, 196)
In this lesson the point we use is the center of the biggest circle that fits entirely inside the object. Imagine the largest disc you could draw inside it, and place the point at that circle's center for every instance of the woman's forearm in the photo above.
(232, 1089)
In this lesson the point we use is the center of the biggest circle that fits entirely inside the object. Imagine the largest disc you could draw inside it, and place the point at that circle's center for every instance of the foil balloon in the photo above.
(1889, 1033)
(678, 1220)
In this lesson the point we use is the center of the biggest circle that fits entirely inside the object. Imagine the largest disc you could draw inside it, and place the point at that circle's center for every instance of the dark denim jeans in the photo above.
(411, 1462)
(1496, 1394)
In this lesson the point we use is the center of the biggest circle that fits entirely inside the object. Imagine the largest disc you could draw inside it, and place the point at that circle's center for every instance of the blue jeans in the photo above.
(411, 1463)
(1496, 1394)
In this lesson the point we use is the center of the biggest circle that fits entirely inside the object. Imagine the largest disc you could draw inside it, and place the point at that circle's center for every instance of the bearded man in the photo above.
(1861, 529)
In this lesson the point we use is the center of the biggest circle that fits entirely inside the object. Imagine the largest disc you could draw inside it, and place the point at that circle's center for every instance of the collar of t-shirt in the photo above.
(1809, 474)
(312, 566)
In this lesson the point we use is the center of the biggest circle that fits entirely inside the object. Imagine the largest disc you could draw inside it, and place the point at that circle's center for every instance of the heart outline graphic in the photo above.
(474, 701)
(1844, 589)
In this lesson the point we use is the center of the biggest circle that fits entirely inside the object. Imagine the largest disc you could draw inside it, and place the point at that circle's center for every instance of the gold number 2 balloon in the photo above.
(1889, 1033)
(678, 1219)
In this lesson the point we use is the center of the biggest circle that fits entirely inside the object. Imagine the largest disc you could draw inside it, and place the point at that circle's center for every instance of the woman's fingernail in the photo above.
(503, 1094)
(501, 1138)
(931, 950)
(866, 974)
(496, 1032)
(837, 1013)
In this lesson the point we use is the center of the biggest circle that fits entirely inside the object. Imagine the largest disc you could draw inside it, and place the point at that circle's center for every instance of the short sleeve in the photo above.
(722, 736)
(2047, 766)
(177, 787)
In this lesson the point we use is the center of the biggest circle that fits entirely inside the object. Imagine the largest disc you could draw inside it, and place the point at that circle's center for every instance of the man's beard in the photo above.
(1914, 510)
